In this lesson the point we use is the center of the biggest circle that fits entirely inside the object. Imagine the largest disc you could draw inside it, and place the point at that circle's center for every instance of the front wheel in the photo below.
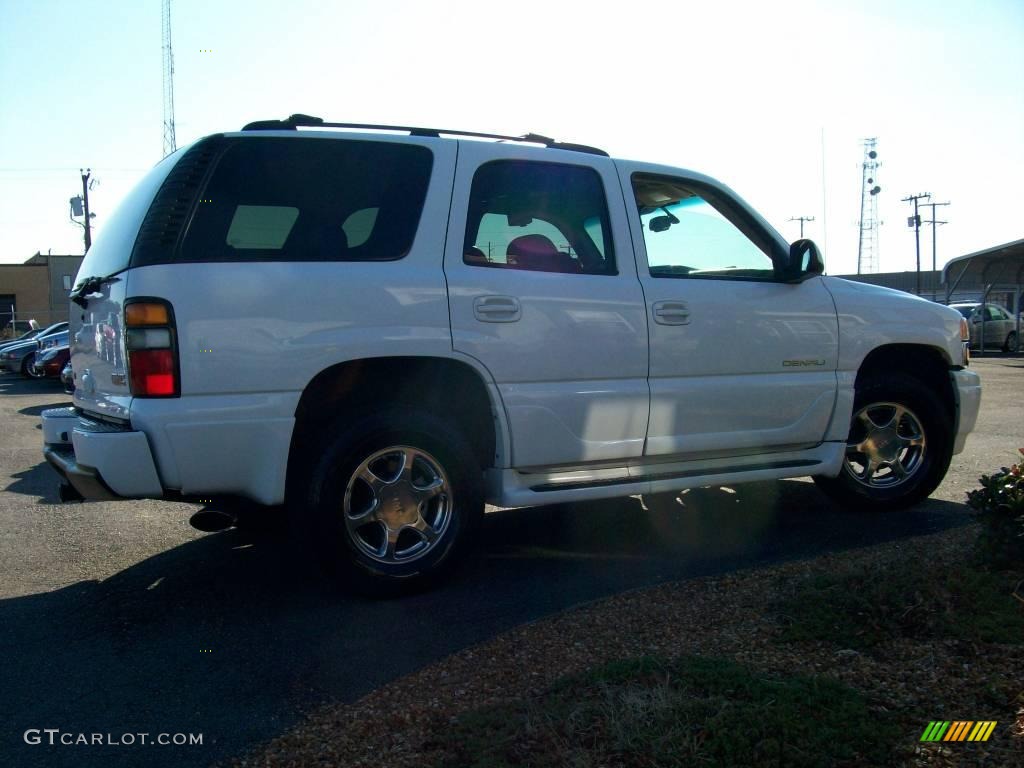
(1010, 345)
(394, 501)
(28, 367)
(898, 449)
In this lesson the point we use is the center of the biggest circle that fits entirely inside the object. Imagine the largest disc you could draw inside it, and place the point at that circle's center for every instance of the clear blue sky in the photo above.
(742, 91)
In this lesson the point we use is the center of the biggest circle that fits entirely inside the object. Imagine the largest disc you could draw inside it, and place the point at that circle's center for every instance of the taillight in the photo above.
(965, 337)
(151, 344)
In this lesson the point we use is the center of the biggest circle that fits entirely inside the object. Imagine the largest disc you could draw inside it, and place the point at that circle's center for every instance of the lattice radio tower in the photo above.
(170, 144)
(867, 246)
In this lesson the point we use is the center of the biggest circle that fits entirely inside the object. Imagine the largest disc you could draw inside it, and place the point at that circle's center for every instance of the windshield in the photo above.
(965, 311)
(112, 248)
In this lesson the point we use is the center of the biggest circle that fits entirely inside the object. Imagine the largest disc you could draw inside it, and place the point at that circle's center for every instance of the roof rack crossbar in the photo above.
(308, 121)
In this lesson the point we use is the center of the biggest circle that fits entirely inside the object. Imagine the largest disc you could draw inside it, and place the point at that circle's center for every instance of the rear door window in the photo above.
(538, 216)
(291, 199)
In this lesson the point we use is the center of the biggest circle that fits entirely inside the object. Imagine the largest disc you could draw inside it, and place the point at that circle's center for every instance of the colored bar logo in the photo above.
(958, 730)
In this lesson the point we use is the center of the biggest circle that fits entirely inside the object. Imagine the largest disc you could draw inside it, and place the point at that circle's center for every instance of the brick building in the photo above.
(38, 289)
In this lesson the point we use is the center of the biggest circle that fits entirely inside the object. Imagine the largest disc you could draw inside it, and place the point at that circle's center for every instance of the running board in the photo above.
(548, 487)
(513, 488)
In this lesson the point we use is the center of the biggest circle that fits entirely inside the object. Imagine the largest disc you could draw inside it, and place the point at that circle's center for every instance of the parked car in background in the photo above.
(28, 336)
(56, 339)
(1000, 326)
(19, 357)
(48, 364)
(67, 378)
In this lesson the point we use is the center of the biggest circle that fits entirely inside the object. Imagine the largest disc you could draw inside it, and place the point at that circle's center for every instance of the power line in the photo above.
(69, 168)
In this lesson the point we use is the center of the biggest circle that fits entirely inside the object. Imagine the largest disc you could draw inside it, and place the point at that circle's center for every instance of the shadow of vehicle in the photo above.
(997, 357)
(232, 636)
(37, 410)
(14, 384)
(40, 482)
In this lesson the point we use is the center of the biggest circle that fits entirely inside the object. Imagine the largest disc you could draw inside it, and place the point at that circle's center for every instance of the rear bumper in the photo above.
(967, 386)
(85, 480)
(100, 460)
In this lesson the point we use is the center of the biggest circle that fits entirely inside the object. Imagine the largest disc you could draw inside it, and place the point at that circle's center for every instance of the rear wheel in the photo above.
(394, 501)
(898, 449)
(1010, 345)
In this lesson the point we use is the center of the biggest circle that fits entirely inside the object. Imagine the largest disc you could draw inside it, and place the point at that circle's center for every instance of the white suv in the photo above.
(385, 329)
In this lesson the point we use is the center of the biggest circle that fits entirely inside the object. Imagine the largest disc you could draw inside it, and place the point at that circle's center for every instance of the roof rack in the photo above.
(308, 121)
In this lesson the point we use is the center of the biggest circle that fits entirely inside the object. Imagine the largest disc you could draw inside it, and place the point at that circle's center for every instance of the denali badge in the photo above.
(801, 363)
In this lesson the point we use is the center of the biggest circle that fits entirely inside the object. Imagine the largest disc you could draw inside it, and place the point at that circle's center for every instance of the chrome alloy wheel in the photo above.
(397, 505)
(886, 446)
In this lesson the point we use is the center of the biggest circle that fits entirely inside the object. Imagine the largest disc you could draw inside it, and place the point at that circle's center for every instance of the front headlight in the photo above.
(965, 337)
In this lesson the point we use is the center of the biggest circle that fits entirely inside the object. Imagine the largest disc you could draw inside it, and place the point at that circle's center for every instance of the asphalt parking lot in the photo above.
(119, 618)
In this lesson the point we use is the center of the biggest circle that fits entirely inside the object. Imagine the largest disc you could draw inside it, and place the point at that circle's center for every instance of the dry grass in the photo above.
(907, 679)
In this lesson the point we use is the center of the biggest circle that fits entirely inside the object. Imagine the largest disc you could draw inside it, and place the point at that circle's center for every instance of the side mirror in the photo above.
(805, 260)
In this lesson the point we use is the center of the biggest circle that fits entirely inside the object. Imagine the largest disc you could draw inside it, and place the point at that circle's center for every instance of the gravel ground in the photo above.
(915, 681)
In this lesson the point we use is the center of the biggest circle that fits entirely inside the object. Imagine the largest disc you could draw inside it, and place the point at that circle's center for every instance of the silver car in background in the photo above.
(18, 358)
(1000, 329)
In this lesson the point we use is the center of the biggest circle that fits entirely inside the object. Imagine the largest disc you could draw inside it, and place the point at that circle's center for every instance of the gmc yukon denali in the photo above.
(375, 330)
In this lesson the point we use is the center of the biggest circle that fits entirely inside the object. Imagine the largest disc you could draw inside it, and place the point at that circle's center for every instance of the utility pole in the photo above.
(915, 222)
(85, 203)
(933, 222)
(801, 219)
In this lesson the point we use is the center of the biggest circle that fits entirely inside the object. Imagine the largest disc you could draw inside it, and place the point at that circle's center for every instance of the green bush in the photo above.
(999, 505)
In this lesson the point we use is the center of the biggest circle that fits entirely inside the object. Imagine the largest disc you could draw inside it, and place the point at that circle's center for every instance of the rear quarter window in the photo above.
(112, 246)
(291, 199)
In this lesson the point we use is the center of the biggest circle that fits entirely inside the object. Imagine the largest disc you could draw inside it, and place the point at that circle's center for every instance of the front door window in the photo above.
(687, 236)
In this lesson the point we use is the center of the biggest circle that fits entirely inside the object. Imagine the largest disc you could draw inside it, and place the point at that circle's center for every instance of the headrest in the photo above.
(531, 246)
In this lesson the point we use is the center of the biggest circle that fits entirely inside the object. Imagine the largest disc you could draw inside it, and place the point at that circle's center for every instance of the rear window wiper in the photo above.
(88, 287)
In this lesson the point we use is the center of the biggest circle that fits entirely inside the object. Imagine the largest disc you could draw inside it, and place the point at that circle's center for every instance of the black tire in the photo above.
(439, 450)
(26, 366)
(924, 465)
(1011, 342)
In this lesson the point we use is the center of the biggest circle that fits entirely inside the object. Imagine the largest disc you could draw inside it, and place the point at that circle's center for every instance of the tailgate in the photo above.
(98, 353)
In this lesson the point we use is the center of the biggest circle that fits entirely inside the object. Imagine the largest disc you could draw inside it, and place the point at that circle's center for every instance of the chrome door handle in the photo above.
(497, 309)
(671, 313)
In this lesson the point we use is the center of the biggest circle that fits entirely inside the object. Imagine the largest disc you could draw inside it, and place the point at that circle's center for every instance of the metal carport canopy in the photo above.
(1001, 266)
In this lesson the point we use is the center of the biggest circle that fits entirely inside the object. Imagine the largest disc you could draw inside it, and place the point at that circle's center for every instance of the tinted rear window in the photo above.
(287, 199)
